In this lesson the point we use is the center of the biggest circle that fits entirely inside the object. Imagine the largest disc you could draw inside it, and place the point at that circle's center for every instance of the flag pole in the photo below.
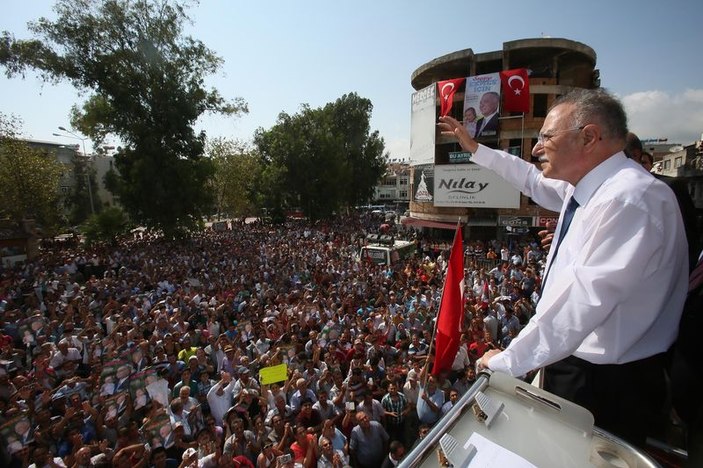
(522, 135)
(436, 321)
(429, 351)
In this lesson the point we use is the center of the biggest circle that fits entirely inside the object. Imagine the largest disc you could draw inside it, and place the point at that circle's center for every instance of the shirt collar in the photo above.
(588, 185)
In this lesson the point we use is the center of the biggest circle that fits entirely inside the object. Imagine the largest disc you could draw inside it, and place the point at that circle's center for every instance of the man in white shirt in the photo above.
(614, 289)
(219, 397)
(461, 360)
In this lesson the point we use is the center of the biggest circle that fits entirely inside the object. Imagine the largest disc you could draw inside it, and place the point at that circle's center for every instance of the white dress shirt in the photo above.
(461, 360)
(617, 287)
(220, 403)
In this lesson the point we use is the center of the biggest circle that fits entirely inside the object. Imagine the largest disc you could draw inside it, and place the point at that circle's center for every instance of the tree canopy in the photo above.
(145, 85)
(236, 175)
(321, 160)
(105, 226)
(29, 179)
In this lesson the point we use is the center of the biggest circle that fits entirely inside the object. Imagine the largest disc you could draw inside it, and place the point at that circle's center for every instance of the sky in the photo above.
(280, 54)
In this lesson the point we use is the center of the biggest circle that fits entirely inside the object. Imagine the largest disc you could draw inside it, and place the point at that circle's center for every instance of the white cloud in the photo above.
(659, 114)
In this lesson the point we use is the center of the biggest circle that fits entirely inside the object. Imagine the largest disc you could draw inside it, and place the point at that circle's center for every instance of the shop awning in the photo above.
(409, 221)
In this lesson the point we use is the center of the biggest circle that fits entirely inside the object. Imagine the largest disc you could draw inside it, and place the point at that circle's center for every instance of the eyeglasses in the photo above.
(543, 138)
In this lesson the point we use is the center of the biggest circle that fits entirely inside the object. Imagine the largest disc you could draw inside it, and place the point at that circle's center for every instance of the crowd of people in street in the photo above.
(148, 352)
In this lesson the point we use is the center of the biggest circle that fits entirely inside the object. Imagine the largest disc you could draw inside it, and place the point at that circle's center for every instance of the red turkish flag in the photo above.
(516, 90)
(446, 94)
(451, 310)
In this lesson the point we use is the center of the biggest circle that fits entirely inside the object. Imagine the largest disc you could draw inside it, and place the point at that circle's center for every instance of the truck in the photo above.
(387, 251)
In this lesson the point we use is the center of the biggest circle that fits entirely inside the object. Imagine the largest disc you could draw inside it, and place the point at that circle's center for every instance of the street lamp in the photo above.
(85, 155)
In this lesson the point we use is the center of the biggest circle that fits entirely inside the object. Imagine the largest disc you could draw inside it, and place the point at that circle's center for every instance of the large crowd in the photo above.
(148, 352)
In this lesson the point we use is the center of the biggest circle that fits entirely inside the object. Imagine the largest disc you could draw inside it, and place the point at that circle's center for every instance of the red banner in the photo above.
(451, 310)
(516, 90)
(446, 91)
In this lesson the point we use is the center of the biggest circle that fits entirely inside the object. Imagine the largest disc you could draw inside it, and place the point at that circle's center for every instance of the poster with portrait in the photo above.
(482, 106)
(289, 356)
(158, 431)
(137, 387)
(29, 327)
(116, 405)
(246, 330)
(156, 386)
(115, 377)
(17, 433)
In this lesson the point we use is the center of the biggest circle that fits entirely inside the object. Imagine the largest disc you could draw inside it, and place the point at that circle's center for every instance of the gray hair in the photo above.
(599, 107)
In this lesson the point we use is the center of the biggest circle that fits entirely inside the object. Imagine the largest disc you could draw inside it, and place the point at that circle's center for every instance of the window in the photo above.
(539, 105)
(403, 181)
(515, 147)
(667, 164)
(678, 162)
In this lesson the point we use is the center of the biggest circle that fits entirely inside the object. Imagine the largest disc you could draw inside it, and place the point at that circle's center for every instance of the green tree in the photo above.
(145, 85)
(29, 179)
(105, 226)
(321, 159)
(237, 170)
(361, 149)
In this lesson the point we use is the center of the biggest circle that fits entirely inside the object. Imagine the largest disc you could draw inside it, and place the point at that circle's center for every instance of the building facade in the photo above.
(102, 164)
(685, 162)
(78, 175)
(394, 187)
(555, 66)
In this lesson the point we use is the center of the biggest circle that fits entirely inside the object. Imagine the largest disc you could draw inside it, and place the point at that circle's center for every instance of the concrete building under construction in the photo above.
(554, 67)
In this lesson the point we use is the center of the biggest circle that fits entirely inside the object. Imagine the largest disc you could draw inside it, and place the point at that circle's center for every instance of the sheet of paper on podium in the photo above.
(489, 454)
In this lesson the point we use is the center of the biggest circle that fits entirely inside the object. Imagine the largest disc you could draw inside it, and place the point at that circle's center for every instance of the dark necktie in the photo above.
(566, 222)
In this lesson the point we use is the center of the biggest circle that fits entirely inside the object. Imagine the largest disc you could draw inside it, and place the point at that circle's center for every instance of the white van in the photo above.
(386, 254)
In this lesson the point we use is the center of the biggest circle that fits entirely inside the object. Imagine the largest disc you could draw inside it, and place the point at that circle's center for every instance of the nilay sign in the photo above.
(462, 185)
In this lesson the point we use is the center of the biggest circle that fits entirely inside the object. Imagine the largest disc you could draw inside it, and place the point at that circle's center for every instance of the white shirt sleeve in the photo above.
(524, 176)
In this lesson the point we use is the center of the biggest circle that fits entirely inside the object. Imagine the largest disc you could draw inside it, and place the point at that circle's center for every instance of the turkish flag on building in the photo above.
(451, 310)
(516, 90)
(446, 94)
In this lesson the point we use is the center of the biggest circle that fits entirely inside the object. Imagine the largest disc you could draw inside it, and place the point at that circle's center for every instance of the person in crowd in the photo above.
(304, 448)
(453, 398)
(302, 393)
(430, 399)
(396, 454)
(331, 457)
(308, 417)
(396, 410)
(368, 442)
